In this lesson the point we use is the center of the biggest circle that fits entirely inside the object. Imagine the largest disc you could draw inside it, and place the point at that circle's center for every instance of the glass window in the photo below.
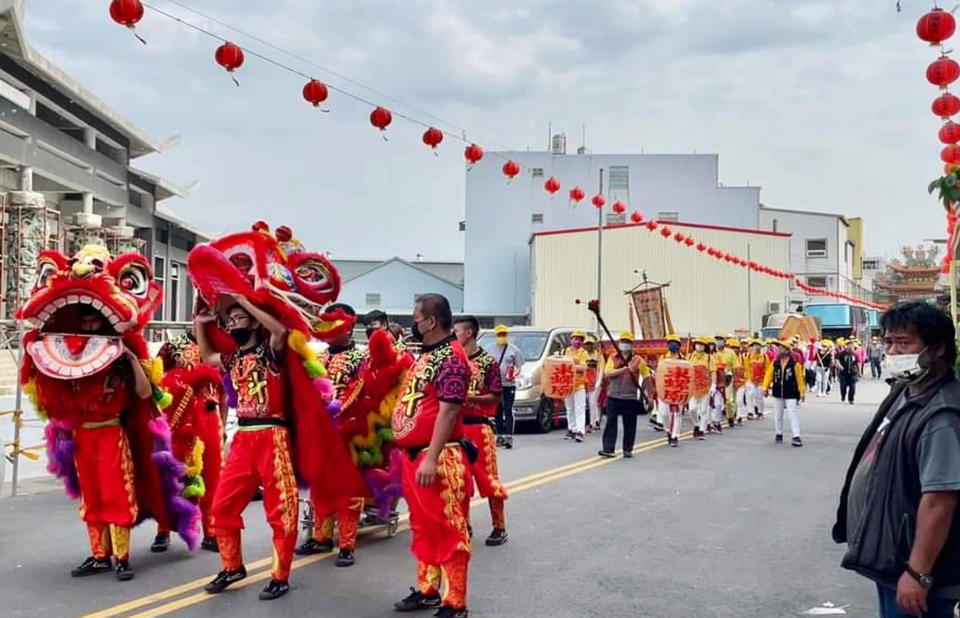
(668, 216)
(817, 248)
(536, 217)
(537, 172)
(830, 315)
(820, 282)
(531, 343)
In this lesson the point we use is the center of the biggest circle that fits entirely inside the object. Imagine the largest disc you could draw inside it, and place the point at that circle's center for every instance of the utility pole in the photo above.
(600, 249)
(749, 295)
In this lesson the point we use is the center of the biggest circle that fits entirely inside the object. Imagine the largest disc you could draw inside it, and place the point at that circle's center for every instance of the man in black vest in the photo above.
(786, 383)
(898, 508)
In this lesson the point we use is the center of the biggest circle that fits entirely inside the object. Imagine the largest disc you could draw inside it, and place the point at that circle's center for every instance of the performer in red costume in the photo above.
(86, 367)
(269, 294)
(343, 360)
(483, 398)
(437, 483)
(196, 417)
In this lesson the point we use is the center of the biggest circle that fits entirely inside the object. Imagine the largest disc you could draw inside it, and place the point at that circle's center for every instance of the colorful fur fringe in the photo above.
(185, 515)
(60, 462)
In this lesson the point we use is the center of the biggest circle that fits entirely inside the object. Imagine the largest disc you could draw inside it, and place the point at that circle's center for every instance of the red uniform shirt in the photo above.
(441, 374)
(180, 352)
(98, 398)
(343, 365)
(484, 380)
(257, 376)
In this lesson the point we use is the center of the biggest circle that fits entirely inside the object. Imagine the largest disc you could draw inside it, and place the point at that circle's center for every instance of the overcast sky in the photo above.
(823, 104)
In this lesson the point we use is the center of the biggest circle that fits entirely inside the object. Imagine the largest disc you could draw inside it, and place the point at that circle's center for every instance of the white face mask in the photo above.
(626, 348)
(904, 365)
(699, 347)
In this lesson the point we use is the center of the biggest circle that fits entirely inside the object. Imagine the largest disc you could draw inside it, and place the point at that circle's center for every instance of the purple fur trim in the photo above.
(184, 515)
(385, 484)
(229, 390)
(60, 462)
(334, 407)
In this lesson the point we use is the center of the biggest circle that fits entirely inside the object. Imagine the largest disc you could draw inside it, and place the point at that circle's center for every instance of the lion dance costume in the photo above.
(111, 448)
(281, 399)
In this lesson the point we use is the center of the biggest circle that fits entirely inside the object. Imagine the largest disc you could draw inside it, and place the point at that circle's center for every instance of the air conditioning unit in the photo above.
(774, 306)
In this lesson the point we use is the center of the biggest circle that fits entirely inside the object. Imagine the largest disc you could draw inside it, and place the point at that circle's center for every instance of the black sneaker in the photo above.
(446, 611)
(674, 442)
(569, 435)
(578, 437)
(497, 537)
(313, 546)
(718, 427)
(225, 579)
(274, 590)
(739, 422)
(346, 557)
(92, 566)
(606, 454)
(123, 571)
(627, 454)
(759, 416)
(698, 434)
(416, 600)
(778, 438)
(258, 495)
(731, 423)
(161, 543)
(210, 543)
(796, 442)
(508, 442)
(750, 416)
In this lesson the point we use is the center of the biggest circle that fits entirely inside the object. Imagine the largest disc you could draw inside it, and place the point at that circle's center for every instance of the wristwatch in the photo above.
(925, 580)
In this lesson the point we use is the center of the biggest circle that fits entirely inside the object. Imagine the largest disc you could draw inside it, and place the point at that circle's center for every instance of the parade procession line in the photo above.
(519, 485)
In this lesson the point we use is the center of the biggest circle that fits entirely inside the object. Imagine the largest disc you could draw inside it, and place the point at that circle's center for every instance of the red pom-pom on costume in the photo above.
(552, 185)
(510, 169)
(381, 118)
(943, 71)
(315, 92)
(229, 56)
(936, 26)
(473, 153)
(126, 12)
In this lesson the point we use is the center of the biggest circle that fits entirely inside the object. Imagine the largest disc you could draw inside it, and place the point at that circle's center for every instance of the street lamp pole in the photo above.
(599, 248)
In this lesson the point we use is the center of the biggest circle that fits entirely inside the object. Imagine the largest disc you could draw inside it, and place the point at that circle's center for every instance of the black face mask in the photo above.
(370, 331)
(241, 335)
(415, 333)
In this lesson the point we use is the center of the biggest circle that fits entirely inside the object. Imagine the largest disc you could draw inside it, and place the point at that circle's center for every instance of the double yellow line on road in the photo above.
(263, 566)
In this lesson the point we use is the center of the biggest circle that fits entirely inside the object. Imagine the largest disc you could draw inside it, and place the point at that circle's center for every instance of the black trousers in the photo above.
(848, 386)
(505, 411)
(875, 369)
(627, 410)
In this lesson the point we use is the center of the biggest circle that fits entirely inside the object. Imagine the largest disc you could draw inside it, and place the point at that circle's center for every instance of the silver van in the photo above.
(536, 343)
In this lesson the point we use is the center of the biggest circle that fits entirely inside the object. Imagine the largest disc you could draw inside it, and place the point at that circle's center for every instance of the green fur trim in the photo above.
(386, 434)
(315, 368)
(195, 487)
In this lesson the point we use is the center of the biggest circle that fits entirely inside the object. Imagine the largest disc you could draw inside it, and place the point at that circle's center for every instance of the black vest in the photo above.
(785, 380)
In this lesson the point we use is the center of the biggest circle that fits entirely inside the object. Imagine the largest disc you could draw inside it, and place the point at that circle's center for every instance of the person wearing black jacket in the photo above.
(848, 372)
(898, 506)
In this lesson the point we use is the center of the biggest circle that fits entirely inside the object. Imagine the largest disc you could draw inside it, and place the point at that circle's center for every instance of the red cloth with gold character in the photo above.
(484, 380)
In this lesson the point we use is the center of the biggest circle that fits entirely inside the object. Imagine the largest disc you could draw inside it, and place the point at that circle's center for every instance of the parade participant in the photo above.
(624, 376)
(770, 349)
(483, 398)
(861, 353)
(510, 360)
(576, 403)
(197, 417)
(823, 365)
(437, 483)
(875, 358)
(810, 351)
(785, 381)
(700, 406)
(848, 372)
(379, 320)
(87, 370)
(593, 379)
(343, 360)
(670, 415)
(728, 363)
(755, 365)
(269, 293)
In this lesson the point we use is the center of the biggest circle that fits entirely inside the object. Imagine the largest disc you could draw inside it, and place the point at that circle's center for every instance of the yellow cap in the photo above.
(578, 333)
(732, 341)
(720, 336)
(704, 340)
(841, 341)
(784, 344)
(590, 339)
(625, 336)
(673, 337)
(826, 343)
(500, 329)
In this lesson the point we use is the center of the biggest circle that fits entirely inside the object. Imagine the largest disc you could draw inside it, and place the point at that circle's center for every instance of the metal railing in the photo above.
(11, 333)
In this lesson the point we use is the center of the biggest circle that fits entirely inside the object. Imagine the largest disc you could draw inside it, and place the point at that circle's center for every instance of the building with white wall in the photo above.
(502, 215)
(823, 250)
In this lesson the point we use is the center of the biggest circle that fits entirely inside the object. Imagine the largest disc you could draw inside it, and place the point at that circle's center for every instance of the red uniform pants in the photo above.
(347, 512)
(258, 457)
(439, 518)
(486, 472)
(108, 502)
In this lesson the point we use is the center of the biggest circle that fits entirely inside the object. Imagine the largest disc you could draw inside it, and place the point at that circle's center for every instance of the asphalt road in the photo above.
(733, 526)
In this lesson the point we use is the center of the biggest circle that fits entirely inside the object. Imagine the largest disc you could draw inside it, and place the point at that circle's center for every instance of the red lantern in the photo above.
(619, 207)
(552, 185)
(126, 12)
(636, 217)
(577, 194)
(473, 153)
(679, 237)
(689, 241)
(950, 154)
(701, 247)
(945, 105)
(651, 225)
(315, 92)
(511, 168)
(666, 232)
(598, 200)
(381, 118)
(229, 56)
(936, 26)
(432, 137)
(949, 133)
(943, 71)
